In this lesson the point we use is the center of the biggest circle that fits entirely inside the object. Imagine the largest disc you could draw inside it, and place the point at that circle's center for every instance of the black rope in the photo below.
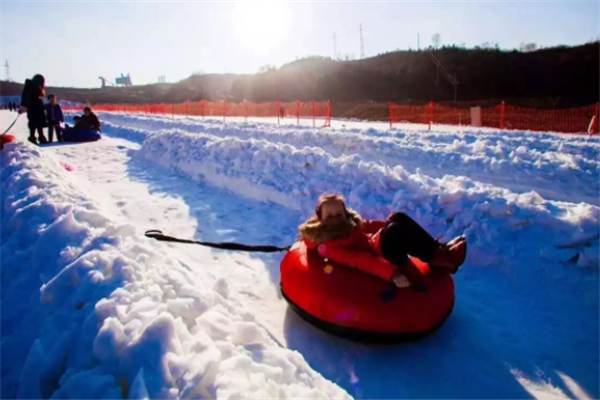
(11, 125)
(158, 235)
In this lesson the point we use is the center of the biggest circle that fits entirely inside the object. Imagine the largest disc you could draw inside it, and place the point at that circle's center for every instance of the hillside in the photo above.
(570, 75)
(554, 77)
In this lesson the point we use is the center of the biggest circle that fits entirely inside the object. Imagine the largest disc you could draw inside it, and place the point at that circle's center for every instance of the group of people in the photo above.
(40, 116)
(11, 106)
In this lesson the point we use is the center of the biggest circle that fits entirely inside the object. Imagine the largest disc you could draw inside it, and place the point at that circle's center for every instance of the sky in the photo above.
(73, 43)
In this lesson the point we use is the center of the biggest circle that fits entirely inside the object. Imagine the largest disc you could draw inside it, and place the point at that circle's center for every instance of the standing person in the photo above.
(91, 119)
(31, 102)
(55, 116)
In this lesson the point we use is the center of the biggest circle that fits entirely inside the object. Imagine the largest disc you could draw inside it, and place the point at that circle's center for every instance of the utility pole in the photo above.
(418, 41)
(334, 46)
(7, 71)
(362, 43)
(451, 78)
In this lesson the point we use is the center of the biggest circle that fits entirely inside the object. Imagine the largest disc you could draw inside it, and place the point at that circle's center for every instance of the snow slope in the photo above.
(526, 318)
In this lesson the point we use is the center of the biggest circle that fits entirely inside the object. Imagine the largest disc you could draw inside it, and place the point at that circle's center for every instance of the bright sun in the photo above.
(261, 26)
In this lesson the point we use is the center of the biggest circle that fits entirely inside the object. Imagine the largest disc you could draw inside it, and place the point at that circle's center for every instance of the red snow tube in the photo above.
(344, 301)
(4, 139)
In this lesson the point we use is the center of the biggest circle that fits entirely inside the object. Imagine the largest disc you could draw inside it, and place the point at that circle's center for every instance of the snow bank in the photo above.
(294, 178)
(92, 309)
(558, 167)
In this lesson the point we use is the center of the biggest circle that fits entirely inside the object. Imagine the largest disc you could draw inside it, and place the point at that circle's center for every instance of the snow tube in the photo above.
(70, 135)
(7, 139)
(346, 302)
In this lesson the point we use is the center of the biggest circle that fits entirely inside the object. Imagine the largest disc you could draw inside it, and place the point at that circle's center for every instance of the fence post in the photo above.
(313, 113)
(391, 114)
(297, 112)
(502, 107)
(430, 113)
(328, 122)
(277, 111)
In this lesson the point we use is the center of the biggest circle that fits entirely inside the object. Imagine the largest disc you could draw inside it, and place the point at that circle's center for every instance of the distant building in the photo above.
(123, 80)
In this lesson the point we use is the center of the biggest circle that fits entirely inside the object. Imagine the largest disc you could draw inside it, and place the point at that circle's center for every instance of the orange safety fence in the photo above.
(503, 116)
(292, 110)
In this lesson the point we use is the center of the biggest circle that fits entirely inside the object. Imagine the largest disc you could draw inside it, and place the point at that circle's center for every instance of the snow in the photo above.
(92, 308)
(559, 168)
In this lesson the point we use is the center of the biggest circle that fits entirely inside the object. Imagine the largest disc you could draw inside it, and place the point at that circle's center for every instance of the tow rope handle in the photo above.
(158, 235)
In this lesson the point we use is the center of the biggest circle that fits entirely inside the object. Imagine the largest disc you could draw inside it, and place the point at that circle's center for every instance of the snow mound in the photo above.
(558, 167)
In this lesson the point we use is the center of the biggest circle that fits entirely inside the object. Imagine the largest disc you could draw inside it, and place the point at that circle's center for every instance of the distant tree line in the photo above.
(483, 72)
(567, 74)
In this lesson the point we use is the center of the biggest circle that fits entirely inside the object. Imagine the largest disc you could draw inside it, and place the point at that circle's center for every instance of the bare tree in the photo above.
(436, 40)
(266, 68)
(488, 46)
(527, 47)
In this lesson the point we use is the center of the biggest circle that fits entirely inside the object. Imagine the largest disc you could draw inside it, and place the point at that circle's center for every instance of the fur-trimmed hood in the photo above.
(317, 231)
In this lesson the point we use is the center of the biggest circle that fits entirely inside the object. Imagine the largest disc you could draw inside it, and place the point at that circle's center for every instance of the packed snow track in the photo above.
(93, 309)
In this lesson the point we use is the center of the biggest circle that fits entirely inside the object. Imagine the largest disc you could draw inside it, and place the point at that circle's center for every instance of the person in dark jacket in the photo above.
(91, 119)
(31, 102)
(54, 115)
(80, 124)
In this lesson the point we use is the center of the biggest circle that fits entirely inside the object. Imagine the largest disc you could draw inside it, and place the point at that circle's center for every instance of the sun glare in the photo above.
(261, 26)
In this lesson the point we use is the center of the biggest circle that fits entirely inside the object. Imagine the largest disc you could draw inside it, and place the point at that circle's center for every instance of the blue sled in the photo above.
(71, 135)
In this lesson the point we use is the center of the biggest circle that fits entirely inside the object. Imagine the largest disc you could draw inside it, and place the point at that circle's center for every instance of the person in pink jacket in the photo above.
(378, 248)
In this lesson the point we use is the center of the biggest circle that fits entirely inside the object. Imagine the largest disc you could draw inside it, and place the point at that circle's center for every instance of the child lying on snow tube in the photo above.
(379, 248)
(81, 132)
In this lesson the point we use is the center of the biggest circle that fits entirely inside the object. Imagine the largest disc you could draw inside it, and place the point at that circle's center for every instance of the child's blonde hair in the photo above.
(327, 197)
